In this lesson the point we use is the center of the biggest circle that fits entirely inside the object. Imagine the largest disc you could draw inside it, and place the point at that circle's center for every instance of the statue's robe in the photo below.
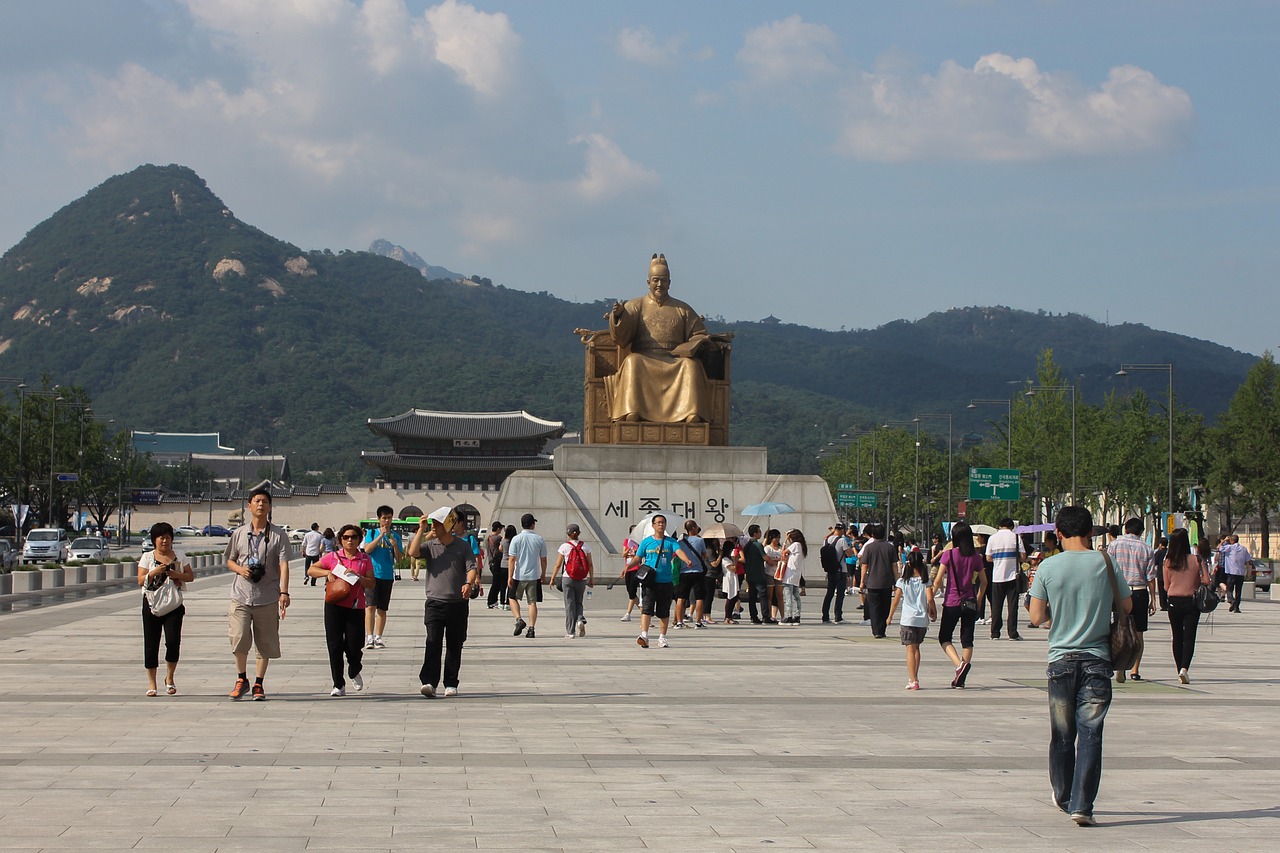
(659, 380)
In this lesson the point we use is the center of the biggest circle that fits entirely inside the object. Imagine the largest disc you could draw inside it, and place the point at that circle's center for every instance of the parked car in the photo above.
(216, 530)
(187, 530)
(295, 536)
(46, 545)
(89, 549)
(8, 555)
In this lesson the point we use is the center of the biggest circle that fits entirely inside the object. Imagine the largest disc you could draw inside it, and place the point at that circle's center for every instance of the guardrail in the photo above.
(59, 591)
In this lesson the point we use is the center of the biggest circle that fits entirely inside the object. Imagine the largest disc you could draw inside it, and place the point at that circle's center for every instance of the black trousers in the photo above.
(1235, 587)
(1184, 620)
(498, 586)
(878, 610)
(344, 635)
(758, 593)
(152, 626)
(446, 623)
(1004, 597)
(837, 583)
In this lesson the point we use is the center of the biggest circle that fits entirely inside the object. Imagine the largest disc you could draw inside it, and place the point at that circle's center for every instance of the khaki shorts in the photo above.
(526, 591)
(257, 626)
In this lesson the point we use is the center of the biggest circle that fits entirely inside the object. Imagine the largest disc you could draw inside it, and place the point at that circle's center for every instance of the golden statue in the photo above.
(658, 375)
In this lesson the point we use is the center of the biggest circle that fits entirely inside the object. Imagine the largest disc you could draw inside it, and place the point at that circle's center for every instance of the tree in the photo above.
(1251, 450)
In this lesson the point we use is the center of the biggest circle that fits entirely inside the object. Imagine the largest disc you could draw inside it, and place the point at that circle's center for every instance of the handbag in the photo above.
(1024, 584)
(1206, 598)
(1124, 637)
(337, 590)
(164, 598)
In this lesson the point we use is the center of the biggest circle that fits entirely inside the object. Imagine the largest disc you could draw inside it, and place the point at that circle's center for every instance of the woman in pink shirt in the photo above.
(344, 619)
(1184, 572)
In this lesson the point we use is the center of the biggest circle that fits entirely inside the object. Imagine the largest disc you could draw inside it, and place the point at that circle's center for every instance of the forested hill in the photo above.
(175, 315)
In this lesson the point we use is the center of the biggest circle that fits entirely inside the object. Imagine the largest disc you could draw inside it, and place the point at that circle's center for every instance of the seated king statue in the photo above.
(660, 380)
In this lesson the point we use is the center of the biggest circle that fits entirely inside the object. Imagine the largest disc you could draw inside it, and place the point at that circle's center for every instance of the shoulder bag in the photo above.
(1206, 595)
(1124, 636)
(967, 605)
(163, 596)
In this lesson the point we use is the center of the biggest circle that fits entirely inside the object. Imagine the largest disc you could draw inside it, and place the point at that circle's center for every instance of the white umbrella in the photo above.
(984, 529)
(644, 527)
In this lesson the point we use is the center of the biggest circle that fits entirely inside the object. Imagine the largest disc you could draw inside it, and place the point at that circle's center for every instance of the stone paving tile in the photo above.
(732, 739)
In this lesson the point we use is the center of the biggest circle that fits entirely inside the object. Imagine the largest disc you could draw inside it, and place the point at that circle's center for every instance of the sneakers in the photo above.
(582, 627)
(377, 642)
(368, 641)
(1083, 819)
(662, 641)
(450, 692)
(428, 690)
(338, 691)
(520, 626)
(642, 641)
(529, 633)
(962, 672)
(913, 685)
(241, 688)
(626, 617)
(357, 682)
(1184, 676)
(258, 693)
(569, 636)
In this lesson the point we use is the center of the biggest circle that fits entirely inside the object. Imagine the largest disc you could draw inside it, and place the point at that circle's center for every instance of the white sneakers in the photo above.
(338, 691)
(428, 690)
(1184, 676)
(626, 617)
(357, 682)
(450, 691)
(368, 641)
(377, 642)
(662, 641)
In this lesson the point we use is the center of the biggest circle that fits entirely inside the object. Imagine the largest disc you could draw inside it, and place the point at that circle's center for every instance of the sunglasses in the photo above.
(351, 536)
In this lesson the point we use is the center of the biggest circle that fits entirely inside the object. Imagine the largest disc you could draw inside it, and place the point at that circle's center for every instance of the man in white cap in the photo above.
(451, 574)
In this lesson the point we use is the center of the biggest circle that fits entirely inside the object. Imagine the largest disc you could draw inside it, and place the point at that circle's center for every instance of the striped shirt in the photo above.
(1135, 559)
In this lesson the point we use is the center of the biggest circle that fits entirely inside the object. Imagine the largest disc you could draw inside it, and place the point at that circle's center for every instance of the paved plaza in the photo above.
(734, 738)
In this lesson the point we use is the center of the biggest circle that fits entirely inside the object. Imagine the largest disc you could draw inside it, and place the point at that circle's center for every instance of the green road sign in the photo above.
(851, 499)
(995, 484)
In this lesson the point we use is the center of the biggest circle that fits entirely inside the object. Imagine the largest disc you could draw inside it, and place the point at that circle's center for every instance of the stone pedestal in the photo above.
(607, 488)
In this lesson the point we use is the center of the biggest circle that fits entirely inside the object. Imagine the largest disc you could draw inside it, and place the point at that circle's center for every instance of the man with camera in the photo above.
(258, 553)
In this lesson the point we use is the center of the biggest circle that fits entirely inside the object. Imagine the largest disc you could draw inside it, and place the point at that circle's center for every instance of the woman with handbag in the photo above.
(347, 572)
(1184, 573)
(961, 564)
(161, 574)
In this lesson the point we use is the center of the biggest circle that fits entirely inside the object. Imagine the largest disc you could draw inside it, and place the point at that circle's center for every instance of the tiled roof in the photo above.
(456, 463)
(420, 423)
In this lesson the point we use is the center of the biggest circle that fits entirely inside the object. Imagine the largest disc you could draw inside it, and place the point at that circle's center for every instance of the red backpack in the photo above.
(575, 565)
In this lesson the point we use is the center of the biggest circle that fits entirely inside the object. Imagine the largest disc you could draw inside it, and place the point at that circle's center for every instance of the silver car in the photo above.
(89, 549)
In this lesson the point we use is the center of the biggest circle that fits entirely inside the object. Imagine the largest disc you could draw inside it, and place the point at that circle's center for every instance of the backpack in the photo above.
(830, 558)
(575, 565)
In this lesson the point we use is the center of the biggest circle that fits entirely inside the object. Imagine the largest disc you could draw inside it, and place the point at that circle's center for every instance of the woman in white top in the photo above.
(162, 565)
(793, 570)
(773, 566)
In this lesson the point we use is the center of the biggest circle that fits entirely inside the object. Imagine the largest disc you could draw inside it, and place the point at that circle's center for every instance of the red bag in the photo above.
(575, 565)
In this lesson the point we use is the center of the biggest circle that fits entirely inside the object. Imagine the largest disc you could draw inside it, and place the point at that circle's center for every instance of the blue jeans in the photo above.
(1079, 696)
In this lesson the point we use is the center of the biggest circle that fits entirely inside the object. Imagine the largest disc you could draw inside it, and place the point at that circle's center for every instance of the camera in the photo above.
(256, 570)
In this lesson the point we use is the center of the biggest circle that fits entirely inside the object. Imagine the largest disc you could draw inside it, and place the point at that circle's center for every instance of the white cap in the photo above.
(441, 515)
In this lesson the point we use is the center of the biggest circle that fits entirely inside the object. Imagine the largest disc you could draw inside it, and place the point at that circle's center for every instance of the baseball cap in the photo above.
(572, 530)
(527, 520)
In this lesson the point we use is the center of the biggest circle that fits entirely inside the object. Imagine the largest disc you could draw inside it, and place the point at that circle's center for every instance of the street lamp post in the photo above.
(1124, 371)
(918, 418)
(1031, 392)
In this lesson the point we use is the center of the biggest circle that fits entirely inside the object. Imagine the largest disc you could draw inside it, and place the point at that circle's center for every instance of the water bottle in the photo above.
(588, 592)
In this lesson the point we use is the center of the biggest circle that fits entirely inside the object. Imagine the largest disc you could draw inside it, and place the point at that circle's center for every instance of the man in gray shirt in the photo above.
(451, 574)
(258, 553)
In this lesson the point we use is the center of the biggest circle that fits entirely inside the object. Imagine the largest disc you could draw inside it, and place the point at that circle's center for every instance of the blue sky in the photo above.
(836, 164)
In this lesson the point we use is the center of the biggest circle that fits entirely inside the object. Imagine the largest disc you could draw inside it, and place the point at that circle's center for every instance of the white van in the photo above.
(46, 545)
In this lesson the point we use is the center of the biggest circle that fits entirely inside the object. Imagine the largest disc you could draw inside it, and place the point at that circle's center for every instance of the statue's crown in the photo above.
(658, 266)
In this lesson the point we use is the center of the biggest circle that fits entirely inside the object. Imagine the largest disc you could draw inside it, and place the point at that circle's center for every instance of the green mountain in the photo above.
(175, 315)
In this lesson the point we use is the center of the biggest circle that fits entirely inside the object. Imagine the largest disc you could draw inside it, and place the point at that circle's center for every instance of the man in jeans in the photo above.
(837, 576)
(1076, 591)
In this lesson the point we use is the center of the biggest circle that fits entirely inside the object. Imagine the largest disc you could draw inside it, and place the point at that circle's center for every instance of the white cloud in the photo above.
(610, 172)
(1006, 109)
(642, 46)
(478, 46)
(788, 51)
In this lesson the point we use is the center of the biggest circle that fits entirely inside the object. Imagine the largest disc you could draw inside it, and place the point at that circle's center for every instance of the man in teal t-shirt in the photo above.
(384, 547)
(659, 557)
(1076, 590)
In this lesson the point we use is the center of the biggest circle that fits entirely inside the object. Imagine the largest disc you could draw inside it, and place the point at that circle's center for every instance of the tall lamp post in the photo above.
(1031, 392)
(1124, 371)
(917, 419)
(915, 499)
(1008, 434)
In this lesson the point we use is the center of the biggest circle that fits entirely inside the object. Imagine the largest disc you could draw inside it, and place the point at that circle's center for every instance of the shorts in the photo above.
(633, 584)
(655, 599)
(526, 591)
(257, 626)
(690, 587)
(379, 597)
(1141, 606)
(911, 636)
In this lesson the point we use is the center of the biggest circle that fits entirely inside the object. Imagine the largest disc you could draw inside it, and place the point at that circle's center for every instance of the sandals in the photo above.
(170, 688)
(151, 692)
